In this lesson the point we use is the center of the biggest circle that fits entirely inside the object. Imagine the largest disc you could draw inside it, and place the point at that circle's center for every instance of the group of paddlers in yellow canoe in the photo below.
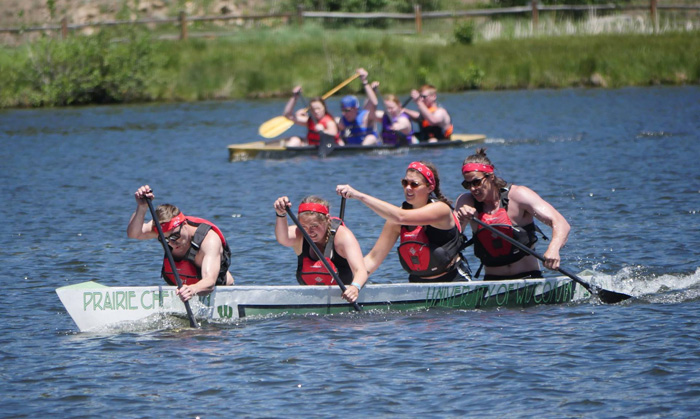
(357, 125)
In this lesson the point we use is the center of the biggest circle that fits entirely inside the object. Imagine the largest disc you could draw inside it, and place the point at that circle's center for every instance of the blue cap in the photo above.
(349, 102)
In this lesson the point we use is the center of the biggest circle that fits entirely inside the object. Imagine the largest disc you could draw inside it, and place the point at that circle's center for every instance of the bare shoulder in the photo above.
(464, 199)
(520, 193)
(211, 241)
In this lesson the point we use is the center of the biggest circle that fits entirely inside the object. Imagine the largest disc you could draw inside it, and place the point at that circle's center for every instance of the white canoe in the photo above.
(95, 306)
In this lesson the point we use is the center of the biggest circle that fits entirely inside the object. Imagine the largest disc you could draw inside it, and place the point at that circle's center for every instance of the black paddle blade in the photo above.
(326, 146)
(611, 297)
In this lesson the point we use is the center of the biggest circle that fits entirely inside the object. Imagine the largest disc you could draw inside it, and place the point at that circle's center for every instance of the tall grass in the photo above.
(269, 62)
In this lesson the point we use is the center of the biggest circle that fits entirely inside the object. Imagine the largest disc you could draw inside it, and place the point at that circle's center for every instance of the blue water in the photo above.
(621, 165)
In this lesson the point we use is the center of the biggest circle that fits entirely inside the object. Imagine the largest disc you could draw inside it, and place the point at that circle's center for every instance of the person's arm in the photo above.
(542, 210)
(137, 228)
(372, 101)
(385, 242)
(402, 125)
(331, 128)
(347, 246)
(285, 234)
(414, 115)
(210, 249)
(464, 209)
(437, 214)
(434, 118)
(297, 117)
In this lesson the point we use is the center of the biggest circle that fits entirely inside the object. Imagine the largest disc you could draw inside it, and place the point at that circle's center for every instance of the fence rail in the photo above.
(418, 16)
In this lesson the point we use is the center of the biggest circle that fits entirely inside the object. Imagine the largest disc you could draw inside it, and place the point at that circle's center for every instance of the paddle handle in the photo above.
(340, 86)
(321, 257)
(190, 315)
(342, 208)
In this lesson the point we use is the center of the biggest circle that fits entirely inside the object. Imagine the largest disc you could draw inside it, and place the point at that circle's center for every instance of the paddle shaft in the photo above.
(607, 296)
(332, 91)
(190, 316)
(321, 257)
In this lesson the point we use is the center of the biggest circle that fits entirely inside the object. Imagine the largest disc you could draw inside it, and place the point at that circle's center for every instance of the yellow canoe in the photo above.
(273, 149)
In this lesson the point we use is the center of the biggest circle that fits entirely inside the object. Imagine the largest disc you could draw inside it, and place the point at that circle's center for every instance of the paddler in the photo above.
(357, 127)
(202, 255)
(434, 121)
(429, 233)
(331, 236)
(317, 119)
(511, 209)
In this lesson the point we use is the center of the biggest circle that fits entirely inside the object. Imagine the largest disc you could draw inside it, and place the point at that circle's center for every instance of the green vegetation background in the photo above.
(269, 62)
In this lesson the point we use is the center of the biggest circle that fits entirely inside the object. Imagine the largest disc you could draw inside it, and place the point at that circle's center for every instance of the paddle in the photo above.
(280, 124)
(193, 322)
(320, 256)
(609, 297)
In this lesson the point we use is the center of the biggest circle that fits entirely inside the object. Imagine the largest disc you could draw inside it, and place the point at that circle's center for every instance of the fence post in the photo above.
(419, 18)
(535, 15)
(300, 14)
(64, 28)
(183, 25)
(654, 16)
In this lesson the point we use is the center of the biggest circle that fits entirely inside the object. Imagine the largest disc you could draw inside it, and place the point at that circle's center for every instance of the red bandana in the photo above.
(172, 223)
(423, 170)
(313, 207)
(477, 167)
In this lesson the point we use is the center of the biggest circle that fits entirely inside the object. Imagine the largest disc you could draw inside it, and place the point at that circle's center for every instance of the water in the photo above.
(621, 165)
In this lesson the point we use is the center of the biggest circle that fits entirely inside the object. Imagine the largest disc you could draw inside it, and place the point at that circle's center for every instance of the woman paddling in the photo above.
(511, 209)
(317, 119)
(339, 245)
(430, 235)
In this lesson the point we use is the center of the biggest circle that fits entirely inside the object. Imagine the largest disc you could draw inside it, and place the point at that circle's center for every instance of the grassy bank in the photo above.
(263, 63)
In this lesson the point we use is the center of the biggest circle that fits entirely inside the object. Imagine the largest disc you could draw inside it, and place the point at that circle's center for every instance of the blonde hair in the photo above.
(165, 212)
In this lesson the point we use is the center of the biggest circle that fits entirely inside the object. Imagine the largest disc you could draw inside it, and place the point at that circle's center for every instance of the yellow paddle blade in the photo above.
(275, 127)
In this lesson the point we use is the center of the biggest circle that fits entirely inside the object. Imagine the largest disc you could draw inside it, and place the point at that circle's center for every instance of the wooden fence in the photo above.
(417, 16)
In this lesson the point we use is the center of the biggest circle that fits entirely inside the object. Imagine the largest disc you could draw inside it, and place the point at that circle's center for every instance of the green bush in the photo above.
(90, 69)
(464, 32)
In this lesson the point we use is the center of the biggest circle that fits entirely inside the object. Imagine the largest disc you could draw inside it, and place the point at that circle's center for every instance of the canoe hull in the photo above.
(273, 150)
(93, 306)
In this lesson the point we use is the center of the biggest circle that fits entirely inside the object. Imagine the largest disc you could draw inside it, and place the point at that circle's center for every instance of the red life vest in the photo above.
(188, 271)
(421, 256)
(314, 137)
(311, 271)
(493, 250)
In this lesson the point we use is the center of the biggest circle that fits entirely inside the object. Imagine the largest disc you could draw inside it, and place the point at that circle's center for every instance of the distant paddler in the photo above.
(358, 126)
(316, 119)
(201, 253)
(429, 233)
(434, 121)
(511, 209)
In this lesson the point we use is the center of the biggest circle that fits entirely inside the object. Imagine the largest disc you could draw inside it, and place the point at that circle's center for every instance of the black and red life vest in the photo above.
(428, 251)
(312, 271)
(428, 131)
(493, 250)
(189, 272)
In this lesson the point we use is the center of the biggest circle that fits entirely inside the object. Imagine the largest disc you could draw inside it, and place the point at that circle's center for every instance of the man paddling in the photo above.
(511, 209)
(434, 121)
(202, 255)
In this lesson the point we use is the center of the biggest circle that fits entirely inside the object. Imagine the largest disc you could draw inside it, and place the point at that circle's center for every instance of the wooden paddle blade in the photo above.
(275, 126)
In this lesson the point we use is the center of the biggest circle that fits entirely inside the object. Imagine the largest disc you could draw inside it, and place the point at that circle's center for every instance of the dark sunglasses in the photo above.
(175, 236)
(475, 183)
(413, 183)
(346, 109)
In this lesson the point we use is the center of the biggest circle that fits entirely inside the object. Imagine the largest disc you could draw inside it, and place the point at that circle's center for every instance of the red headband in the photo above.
(423, 170)
(477, 167)
(172, 223)
(313, 207)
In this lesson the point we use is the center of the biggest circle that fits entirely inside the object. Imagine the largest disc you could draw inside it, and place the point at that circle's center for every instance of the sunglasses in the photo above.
(413, 183)
(175, 236)
(346, 109)
(475, 183)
